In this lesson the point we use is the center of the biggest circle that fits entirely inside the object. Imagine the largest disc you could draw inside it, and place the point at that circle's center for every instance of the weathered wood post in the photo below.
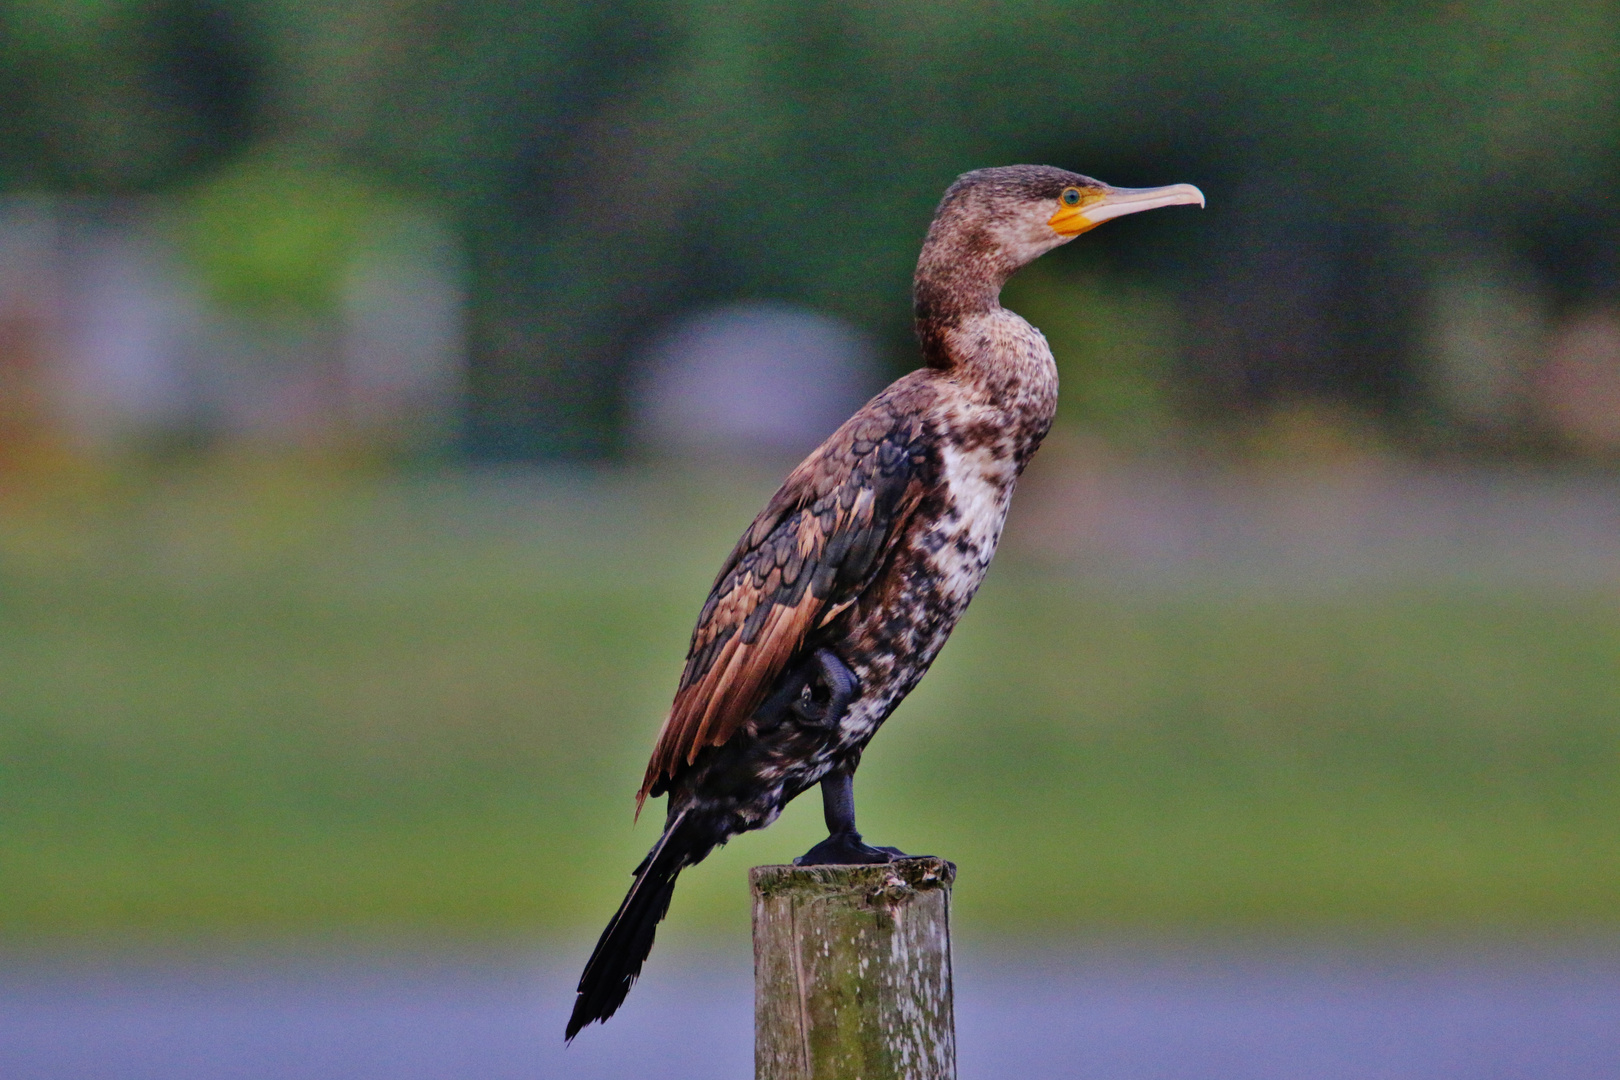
(852, 972)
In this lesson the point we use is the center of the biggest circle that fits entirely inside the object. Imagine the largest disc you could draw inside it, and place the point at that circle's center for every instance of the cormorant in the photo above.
(840, 594)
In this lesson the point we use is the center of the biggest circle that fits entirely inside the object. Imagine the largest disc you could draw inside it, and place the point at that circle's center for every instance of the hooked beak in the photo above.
(1112, 202)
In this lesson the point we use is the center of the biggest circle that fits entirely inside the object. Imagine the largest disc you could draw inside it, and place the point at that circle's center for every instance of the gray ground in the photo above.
(1120, 1013)
(1359, 521)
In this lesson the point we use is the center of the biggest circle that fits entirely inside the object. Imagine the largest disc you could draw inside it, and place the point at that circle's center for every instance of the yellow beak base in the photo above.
(1071, 221)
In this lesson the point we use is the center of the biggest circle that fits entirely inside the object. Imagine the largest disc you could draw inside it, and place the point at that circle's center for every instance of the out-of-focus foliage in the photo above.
(276, 236)
(120, 95)
(611, 163)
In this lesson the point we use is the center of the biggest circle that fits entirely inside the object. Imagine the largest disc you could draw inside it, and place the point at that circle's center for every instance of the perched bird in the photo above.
(843, 590)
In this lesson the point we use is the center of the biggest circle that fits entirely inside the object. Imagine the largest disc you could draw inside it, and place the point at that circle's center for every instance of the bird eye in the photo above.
(1071, 196)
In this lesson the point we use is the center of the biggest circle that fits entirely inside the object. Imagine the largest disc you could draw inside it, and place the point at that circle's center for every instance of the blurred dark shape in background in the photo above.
(738, 381)
(1409, 216)
(131, 327)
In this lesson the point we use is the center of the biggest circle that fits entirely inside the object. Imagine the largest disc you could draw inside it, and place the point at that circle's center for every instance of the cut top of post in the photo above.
(878, 883)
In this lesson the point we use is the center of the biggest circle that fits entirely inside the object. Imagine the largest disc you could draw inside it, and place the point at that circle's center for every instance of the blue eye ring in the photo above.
(1071, 196)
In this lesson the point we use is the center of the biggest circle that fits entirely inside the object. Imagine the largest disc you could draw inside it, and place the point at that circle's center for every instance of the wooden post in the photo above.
(852, 972)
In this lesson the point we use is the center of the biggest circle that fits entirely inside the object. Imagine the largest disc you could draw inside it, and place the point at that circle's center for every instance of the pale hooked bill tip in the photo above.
(1169, 195)
(1121, 201)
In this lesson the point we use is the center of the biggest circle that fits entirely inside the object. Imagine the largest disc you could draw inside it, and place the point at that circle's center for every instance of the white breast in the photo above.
(979, 482)
(1009, 394)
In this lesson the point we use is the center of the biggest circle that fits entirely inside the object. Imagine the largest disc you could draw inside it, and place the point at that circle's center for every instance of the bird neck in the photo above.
(959, 278)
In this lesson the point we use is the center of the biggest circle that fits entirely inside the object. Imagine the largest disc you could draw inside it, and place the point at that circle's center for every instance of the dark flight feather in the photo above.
(616, 961)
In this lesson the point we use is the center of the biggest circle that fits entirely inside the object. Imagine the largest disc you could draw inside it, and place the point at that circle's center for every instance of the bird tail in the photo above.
(624, 945)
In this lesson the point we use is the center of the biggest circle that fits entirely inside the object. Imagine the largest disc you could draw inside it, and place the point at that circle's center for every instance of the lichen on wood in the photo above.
(852, 972)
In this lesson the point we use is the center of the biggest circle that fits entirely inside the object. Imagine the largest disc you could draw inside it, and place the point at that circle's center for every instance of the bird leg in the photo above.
(843, 845)
(825, 705)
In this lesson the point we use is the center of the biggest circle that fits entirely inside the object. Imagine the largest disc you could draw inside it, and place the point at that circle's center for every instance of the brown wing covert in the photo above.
(808, 555)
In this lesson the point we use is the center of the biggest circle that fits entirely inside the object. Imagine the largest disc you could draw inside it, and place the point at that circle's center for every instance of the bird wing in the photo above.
(811, 552)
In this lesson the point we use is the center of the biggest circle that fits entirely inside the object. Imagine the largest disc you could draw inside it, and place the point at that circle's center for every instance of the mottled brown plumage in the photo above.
(808, 556)
(837, 598)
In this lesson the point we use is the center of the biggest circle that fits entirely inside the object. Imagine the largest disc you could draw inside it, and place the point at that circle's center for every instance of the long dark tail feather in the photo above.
(624, 945)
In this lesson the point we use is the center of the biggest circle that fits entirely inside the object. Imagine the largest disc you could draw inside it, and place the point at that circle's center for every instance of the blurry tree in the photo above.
(121, 95)
(526, 116)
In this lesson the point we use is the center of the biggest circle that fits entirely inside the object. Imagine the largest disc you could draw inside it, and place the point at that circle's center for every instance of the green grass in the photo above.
(247, 702)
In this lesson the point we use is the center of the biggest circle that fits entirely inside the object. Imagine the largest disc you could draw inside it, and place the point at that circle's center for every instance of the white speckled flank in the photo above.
(980, 481)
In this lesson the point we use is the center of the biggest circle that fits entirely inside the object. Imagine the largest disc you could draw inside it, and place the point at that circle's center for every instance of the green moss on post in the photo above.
(852, 972)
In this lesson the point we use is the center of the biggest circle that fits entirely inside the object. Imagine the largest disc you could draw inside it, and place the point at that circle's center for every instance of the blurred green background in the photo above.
(250, 701)
(339, 590)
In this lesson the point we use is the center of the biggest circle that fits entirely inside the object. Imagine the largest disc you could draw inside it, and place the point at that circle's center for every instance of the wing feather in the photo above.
(811, 552)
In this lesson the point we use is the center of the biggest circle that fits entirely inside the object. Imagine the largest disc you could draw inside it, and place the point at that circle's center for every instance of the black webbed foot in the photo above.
(847, 849)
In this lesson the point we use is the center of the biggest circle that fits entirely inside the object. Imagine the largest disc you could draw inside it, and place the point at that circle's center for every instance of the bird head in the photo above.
(1024, 211)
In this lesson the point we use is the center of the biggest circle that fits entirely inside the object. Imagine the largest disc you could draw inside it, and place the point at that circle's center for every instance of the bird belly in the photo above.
(936, 572)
